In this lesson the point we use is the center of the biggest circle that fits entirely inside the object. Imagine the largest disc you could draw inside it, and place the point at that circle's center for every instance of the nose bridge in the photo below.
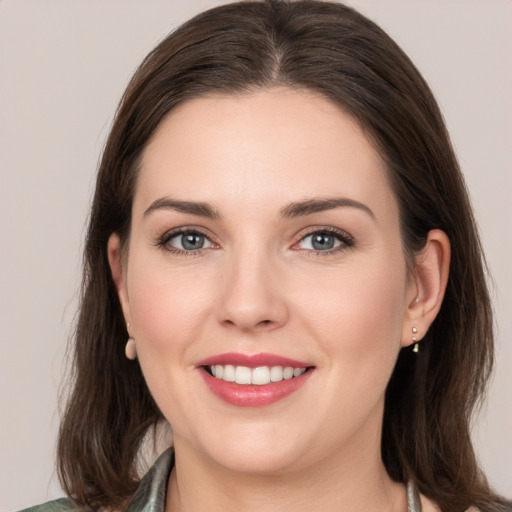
(252, 298)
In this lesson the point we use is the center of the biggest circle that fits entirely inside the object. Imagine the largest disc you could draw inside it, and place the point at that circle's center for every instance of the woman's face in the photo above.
(265, 234)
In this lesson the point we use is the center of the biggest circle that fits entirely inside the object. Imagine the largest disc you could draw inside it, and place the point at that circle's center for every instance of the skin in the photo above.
(258, 285)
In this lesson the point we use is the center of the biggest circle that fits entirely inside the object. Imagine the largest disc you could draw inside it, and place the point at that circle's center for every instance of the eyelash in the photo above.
(169, 235)
(346, 240)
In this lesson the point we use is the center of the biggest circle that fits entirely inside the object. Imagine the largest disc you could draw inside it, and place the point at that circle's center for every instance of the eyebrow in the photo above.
(310, 206)
(291, 211)
(200, 209)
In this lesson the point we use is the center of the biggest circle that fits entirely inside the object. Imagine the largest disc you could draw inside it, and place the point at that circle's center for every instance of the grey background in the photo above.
(63, 67)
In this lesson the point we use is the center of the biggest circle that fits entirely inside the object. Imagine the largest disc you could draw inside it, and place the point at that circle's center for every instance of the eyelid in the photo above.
(347, 240)
(163, 240)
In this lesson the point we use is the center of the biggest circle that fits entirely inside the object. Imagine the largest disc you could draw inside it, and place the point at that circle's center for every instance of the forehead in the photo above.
(261, 147)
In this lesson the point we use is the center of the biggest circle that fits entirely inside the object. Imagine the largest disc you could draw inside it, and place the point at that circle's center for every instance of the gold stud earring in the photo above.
(416, 345)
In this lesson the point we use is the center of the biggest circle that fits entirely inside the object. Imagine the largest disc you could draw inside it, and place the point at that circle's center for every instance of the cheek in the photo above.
(167, 308)
(356, 322)
(169, 311)
(357, 315)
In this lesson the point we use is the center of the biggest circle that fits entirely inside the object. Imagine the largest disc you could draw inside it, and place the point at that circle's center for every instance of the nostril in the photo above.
(264, 323)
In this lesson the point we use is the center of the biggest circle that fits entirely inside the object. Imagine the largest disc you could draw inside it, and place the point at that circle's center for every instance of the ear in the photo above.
(118, 274)
(427, 287)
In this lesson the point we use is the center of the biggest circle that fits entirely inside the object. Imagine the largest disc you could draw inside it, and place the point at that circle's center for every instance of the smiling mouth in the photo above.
(253, 380)
(259, 376)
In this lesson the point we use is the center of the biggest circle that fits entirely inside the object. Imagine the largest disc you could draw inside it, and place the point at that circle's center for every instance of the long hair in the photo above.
(330, 49)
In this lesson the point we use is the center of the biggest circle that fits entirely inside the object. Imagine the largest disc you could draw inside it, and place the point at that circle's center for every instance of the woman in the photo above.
(281, 232)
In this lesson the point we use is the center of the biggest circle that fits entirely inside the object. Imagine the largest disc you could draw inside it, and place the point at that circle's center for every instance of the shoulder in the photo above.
(150, 494)
(60, 505)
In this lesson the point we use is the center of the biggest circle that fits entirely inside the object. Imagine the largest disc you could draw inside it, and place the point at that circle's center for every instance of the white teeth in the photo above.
(288, 373)
(229, 373)
(243, 375)
(276, 373)
(261, 376)
(258, 376)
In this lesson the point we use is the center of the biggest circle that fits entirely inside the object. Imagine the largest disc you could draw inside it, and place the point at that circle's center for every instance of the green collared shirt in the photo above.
(149, 496)
(151, 492)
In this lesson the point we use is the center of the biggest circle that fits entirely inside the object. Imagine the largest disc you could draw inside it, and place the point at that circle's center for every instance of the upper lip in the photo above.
(252, 360)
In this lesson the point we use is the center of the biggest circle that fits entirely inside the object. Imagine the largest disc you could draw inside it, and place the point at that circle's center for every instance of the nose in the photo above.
(253, 295)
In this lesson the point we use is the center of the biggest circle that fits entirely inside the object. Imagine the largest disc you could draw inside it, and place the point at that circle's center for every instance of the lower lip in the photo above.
(251, 395)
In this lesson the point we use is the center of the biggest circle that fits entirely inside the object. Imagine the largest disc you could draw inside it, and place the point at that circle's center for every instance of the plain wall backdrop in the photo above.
(63, 67)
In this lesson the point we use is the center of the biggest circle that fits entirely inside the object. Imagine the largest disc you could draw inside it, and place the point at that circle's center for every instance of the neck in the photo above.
(349, 480)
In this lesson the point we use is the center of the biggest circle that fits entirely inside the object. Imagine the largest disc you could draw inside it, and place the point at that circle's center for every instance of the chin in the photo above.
(256, 449)
(258, 461)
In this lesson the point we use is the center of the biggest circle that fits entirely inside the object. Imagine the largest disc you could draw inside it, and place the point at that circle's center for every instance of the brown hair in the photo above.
(331, 49)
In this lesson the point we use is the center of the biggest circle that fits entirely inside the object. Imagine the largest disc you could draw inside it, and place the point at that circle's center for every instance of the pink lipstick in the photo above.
(253, 380)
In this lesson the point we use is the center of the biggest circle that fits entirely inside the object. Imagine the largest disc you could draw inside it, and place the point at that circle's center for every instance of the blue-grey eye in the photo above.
(320, 241)
(189, 241)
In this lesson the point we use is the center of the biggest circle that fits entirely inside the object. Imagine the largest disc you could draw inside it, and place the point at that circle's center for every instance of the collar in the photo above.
(151, 492)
